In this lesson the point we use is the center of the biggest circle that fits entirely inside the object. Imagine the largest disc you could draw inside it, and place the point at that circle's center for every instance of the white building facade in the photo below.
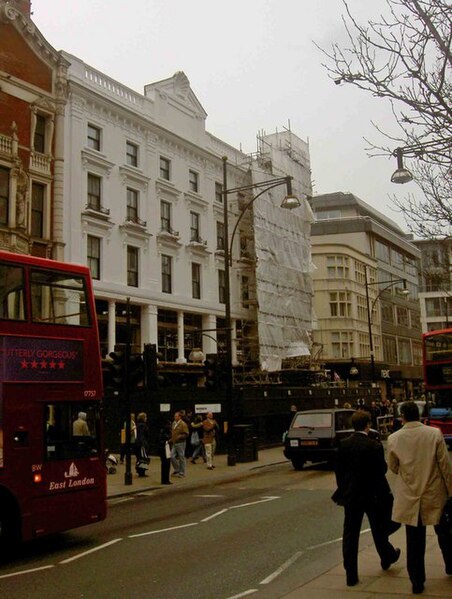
(144, 209)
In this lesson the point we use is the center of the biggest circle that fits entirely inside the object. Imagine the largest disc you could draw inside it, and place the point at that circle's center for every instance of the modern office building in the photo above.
(365, 295)
(435, 293)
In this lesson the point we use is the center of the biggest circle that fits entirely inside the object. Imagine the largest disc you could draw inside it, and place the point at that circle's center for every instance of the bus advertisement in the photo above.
(52, 467)
(437, 364)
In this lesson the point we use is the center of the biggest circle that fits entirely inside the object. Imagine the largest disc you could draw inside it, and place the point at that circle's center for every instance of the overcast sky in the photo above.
(253, 66)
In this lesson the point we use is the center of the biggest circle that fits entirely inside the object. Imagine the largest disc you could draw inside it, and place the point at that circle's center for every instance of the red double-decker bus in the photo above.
(52, 469)
(437, 362)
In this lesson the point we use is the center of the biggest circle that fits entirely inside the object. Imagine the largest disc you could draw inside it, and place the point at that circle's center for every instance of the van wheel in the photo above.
(297, 463)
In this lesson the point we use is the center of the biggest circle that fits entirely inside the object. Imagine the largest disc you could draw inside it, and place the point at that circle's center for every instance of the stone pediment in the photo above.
(177, 88)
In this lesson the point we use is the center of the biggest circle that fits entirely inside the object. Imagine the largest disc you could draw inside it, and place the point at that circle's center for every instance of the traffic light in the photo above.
(118, 370)
(211, 371)
(150, 356)
(107, 372)
(135, 372)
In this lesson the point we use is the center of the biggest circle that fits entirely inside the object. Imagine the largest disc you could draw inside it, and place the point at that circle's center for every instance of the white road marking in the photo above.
(265, 499)
(155, 532)
(119, 500)
(209, 496)
(214, 515)
(146, 493)
(244, 594)
(26, 571)
(73, 558)
(281, 569)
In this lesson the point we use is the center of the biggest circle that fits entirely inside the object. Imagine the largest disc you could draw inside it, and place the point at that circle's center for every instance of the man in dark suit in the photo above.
(363, 489)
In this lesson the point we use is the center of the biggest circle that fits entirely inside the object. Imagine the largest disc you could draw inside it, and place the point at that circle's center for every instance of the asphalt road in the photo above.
(266, 532)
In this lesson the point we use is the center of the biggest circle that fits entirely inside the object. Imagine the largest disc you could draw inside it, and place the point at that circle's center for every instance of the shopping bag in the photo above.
(445, 522)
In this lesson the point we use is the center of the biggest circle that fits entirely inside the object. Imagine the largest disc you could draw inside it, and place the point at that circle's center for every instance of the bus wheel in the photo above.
(9, 524)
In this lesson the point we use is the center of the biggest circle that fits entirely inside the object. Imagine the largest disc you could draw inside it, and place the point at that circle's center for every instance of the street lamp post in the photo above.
(289, 202)
(370, 310)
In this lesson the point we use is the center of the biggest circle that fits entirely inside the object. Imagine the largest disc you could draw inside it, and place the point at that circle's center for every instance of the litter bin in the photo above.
(245, 442)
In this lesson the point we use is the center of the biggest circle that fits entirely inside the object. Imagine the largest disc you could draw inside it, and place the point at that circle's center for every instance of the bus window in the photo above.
(60, 441)
(11, 292)
(58, 298)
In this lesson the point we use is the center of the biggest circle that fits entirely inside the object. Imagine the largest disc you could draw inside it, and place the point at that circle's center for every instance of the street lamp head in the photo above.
(290, 202)
(402, 174)
(403, 291)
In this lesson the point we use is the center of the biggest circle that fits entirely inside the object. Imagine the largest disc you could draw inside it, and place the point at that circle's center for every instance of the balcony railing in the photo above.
(135, 220)
(6, 144)
(98, 209)
(40, 162)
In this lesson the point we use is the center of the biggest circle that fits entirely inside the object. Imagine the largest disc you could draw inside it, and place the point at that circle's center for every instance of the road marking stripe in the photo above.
(214, 515)
(209, 496)
(119, 500)
(71, 559)
(333, 541)
(26, 571)
(281, 569)
(155, 532)
(244, 594)
(233, 507)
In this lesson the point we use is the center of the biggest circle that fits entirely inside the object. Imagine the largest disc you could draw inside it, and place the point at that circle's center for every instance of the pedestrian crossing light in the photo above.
(135, 372)
(118, 369)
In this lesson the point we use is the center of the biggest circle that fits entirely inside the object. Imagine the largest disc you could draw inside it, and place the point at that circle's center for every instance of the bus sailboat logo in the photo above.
(73, 471)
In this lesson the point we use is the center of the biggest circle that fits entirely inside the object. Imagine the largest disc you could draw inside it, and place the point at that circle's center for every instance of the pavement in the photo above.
(330, 584)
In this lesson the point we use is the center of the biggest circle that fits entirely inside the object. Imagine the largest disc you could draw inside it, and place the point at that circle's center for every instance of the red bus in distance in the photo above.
(437, 364)
(52, 470)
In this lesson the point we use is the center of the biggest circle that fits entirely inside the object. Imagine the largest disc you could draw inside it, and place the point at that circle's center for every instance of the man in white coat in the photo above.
(418, 455)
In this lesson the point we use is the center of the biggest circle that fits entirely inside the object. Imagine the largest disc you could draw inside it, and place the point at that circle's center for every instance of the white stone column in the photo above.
(180, 338)
(149, 324)
(209, 345)
(111, 325)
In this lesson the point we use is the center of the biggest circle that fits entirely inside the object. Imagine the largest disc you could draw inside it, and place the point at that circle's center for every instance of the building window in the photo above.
(196, 280)
(131, 154)
(4, 195)
(194, 226)
(397, 259)
(38, 192)
(167, 266)
(360, 272)
(220, 235)
(218, 192)
(340, 304)
(132, 205)
(245, 291)
(361, 306)
(165, 216)
(165, 168)
(221, 287)
(93, 137)
(93, 256)
(417, 353)
(132, 266)
(338, 267)
(193, 181)
(390, 350)
(328, 214)
(39, 141)
(94, 192)
(364, 345)
(405, 351)
(342, 344)
(387, 312)
(402, 316)
(381, 251)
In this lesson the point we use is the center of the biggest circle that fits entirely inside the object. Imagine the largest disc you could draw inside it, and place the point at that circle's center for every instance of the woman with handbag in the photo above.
(142, 445)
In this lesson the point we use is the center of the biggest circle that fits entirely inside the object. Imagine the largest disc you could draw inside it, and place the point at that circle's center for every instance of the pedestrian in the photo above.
(133, 437)
(195, 439)
(80, 426)
(363, 489)
(418, 455)
(164, 446)
(210, 428)
(142, 445)
(179, 434)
